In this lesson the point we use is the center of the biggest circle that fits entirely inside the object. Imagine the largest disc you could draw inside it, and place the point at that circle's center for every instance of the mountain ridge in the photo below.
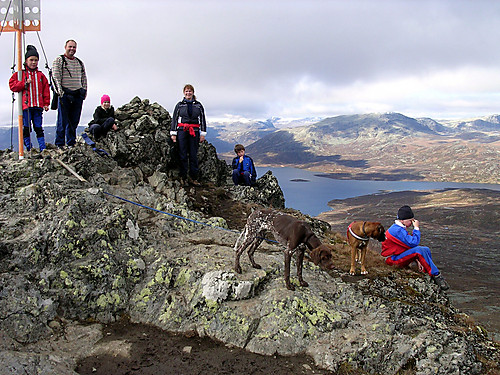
(371, 144)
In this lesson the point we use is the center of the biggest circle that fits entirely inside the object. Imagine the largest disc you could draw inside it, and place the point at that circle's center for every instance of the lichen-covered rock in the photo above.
(266, 191)
(211, 168)
(337, 323)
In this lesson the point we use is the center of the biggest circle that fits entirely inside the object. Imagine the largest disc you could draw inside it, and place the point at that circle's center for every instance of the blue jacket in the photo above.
(246, 166)
(397, 240)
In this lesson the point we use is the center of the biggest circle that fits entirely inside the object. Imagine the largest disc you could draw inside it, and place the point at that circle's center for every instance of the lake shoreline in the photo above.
(310, 192)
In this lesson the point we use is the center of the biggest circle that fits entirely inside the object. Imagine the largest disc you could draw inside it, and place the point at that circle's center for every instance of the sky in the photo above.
(277, 58)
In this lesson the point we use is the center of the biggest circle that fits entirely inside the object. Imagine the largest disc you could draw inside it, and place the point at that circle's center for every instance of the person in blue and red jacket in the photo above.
(244, 172)
(401, 248)
(35, 96)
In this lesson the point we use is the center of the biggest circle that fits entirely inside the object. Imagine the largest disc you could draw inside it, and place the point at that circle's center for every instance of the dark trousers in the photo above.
(33, 115)
(69, 111)
(242, 179)
(100, 130)
(188, 153)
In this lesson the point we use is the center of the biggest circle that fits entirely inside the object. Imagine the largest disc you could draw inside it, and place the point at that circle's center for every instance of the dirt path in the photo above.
(153, 351)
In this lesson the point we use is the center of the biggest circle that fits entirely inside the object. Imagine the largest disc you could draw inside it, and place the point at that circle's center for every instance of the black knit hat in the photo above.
(405, 213)
(31, 51)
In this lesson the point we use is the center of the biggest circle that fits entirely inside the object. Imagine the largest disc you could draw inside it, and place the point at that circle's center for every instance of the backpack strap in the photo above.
(65, 64)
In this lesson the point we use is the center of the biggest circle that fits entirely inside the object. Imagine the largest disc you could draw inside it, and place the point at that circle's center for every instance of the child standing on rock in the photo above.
(35, 96)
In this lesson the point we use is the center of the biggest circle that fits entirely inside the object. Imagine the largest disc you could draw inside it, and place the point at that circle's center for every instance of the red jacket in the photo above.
(392, 245)
(38, 92)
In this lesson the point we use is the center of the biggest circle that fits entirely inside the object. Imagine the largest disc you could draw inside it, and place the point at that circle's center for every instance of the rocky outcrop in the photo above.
(128, 241)
(144, 143)
(265, 192)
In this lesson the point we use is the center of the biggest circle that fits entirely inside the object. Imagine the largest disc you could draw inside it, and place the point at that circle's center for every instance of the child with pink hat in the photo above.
(104, 119)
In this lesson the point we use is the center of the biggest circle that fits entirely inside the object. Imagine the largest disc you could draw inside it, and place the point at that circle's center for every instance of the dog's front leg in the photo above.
(237, 266)
(288, 258)
(354, 252)
(239, 247)
(363, 259)
(300, 263)
(251, 250)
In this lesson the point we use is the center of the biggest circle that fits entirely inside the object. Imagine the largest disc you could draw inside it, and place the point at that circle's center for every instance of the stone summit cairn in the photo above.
(71, 252)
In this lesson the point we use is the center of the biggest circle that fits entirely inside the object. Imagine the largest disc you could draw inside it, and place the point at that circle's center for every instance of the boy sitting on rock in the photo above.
(244, 172)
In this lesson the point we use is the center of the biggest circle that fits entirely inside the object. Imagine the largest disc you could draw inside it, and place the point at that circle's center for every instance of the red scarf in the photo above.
(190, 128)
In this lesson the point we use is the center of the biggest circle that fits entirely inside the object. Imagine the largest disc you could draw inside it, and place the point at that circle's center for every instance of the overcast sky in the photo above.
(286, 58)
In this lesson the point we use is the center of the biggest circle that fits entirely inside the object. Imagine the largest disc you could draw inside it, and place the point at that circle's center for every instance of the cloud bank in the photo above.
(282, 58)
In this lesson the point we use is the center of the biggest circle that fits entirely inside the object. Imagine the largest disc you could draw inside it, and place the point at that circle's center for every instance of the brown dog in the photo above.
(358, 235)
(288, 231)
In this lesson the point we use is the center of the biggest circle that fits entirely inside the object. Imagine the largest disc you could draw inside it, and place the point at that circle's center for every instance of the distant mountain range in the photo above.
(364, 146)
(388, 146)
(225, 134)
(383, 146)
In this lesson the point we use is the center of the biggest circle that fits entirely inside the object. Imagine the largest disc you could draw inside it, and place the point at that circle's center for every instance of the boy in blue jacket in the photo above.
(244, 172)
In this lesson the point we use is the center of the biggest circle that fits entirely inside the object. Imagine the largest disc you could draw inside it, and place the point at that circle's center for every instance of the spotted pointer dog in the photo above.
(288, 231)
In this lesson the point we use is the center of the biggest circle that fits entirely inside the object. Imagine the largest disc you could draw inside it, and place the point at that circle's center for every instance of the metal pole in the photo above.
(20, 94)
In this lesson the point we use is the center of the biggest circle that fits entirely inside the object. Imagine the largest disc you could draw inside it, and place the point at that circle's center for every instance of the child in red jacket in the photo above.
(35, 96)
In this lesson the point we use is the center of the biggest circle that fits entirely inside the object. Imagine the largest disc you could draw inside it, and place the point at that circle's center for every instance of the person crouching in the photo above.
(244, 172)
(104, 119)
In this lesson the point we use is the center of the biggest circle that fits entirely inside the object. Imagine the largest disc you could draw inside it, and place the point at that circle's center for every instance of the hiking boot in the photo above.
(194, 182)
(34, 154)
(45, 153)
(441, 282)
(41, 143)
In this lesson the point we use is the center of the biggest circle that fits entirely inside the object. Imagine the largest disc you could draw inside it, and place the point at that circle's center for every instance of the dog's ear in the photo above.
(322, 256)
(381, 236)
(315, 256)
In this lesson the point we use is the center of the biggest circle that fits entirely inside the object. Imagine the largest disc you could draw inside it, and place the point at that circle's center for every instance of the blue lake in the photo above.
(312, 194)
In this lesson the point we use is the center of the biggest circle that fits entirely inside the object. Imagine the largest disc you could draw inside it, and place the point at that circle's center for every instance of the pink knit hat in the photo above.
(105, 98)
